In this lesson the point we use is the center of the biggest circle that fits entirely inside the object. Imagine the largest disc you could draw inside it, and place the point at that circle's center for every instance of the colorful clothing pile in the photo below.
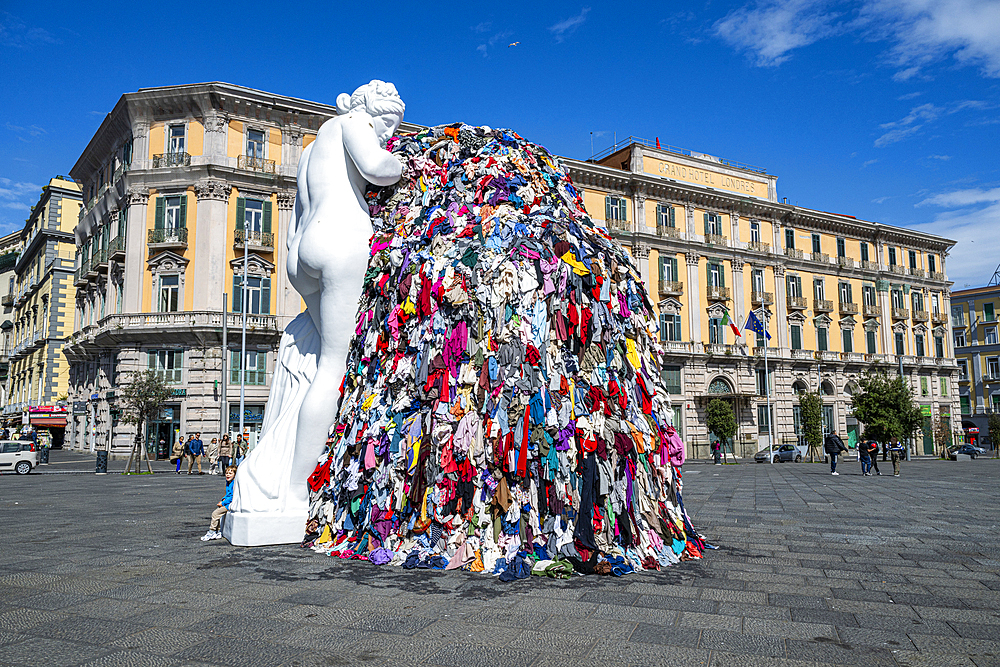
(503, 410)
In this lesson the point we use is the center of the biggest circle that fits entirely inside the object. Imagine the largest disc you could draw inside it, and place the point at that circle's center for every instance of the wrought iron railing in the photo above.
(178, 235)
(251, 163)
(821, 257)
(671, 287)
(937, 275)
(171, 160)
(848, 308)
(793, 253)
(900, 313)
(798, 302)
(715, 239)
(869, 265)
(758, 246)
(717, 293)
(897, 269)
(921, 315)
(669, 232)
(260, 239)
(762, 298)
(872, 310)
(116, 247)
(846, 262)
(822, 305)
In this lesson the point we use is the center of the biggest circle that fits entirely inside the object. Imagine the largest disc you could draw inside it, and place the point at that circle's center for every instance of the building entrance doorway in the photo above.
(163, 431)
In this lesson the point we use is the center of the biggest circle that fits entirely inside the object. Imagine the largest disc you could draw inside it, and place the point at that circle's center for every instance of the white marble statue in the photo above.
(327, 258)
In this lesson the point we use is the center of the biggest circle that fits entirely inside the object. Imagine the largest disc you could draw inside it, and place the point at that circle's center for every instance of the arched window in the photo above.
(720, 385)
(799, 387)
(827, 388)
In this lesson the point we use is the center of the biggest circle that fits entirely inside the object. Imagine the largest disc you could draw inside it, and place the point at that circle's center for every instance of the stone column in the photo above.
(639, 211)
(641, 252)
(291, 148)
(734, 221)
(216, 136)
(780, 308)
(689, 221)
(135, 248)
(693, 260)
(140, 144)
(288, 303)
(739, 311)
(885, 321)
(211, 242)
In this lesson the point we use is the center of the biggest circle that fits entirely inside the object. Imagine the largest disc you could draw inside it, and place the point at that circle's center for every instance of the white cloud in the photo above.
(869, 162)
(972, 222)
(920, 116)
(14, 32)
(909, 96)
(770, 30)
(492, 41)
(567, 27)
(965, 198)
(943, 158)
(17, 191)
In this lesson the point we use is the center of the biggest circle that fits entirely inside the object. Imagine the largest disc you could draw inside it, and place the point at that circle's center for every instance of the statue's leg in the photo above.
(338, 306)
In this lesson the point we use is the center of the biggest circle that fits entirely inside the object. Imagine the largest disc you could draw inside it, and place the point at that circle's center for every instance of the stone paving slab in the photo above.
(811, 570)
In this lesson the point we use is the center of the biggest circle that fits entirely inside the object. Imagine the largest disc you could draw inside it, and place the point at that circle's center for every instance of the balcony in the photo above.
(163, 239)
(939, 318)
(668, 232)
(804, 355)
(897, 269)
(619, 225)
(716, 293)
(715, 239)
(762, 298)
(716, 348)
(676, 346)
(759, 246)
(80, 275)
(821, 257)
(250, 163)
(848, 308)
(7, 301)
(872, 310)
(900, 313)
(920, 316)
(671, 288)
(171, 160)
(918, 273)
(793, 253)
(823, 305)
(846, 262)
(937, 275)
(828, 355)
(877, 358)
(156, 328)
(798, 302)
(100, 262)
(262, 241)
(869, 266)
(116, 249)
(852, 357)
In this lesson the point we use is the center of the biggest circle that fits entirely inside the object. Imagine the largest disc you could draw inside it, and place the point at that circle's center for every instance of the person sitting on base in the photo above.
(220, 511)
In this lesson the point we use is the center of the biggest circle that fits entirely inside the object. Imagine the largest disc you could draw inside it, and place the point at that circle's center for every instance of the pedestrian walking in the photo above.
(213, 457)
(239, 449)
(196, 449)
(221, 509)
(833, 446)
(717, 452)
(865, 457)
(178, 453)
(873, 454)
(225, 451)
(896, 452)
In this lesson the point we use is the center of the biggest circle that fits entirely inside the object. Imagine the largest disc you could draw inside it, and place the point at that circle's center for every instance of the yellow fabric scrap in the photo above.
(578, 267)
(327, 536)
(632, 355)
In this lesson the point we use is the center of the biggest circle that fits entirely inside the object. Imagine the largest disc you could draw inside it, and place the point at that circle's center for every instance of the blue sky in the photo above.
(888, 110)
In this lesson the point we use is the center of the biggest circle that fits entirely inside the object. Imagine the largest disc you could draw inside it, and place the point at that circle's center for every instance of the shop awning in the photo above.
(49, 421)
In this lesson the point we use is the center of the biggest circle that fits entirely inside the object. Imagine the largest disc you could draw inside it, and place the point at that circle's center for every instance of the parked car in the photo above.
(18, 455)
(781, 454)
(970, 450)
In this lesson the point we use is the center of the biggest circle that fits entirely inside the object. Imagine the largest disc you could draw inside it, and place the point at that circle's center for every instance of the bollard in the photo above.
(102, 462)
(43, 456)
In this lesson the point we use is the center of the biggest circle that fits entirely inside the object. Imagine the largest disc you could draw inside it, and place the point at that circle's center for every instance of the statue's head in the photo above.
(380, 101)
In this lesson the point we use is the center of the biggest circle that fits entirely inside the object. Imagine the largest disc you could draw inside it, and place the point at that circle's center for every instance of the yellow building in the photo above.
(43, 310)
(977, 349)
(841, 295)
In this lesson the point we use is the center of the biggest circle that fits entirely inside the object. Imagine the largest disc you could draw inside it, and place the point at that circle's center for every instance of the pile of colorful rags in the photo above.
(503, 410)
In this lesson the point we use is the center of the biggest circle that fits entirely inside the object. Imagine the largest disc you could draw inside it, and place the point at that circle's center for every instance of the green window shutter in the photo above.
(622, 210)
(265, 296)
(673, 268)
(266, 224)
(662, 276)
(234, 367)
(607, 208)
(673, 219)
(241, 212)
(722, 275)
(237, 295)
(184, 209)
(160, 212)
(707, 230)
(796, 338)
(122, 218)
(151, 358)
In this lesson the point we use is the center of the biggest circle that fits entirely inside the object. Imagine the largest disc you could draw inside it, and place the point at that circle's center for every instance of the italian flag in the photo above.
(727, 320)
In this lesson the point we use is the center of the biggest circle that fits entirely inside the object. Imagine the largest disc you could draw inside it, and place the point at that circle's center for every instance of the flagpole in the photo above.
(767, 392)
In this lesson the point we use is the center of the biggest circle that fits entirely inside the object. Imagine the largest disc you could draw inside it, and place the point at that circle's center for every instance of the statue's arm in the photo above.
(376, 164)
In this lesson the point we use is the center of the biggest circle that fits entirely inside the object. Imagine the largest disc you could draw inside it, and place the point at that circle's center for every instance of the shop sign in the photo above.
(972, 429)
(94, 397)
(178, 392)
(251, 413)
(925, 410)
(48, 408)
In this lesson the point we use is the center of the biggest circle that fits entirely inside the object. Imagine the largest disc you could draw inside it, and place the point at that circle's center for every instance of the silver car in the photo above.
(18, 455)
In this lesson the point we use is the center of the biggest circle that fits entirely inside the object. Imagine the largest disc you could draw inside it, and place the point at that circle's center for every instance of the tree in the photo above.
(811, 407)
(942, 435)
(994, 428)
(140, 400)
(885, 406)
(721, 421)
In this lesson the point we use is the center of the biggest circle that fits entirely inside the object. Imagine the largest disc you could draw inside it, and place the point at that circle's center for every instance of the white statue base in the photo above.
(268, 506)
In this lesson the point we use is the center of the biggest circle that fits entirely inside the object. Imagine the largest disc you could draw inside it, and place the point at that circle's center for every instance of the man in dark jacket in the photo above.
(833, 446)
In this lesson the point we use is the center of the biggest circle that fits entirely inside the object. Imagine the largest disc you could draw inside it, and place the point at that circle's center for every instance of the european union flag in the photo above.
(754, 324)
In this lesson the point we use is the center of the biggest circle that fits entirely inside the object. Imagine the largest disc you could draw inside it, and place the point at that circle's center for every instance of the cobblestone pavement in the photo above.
(811, 570)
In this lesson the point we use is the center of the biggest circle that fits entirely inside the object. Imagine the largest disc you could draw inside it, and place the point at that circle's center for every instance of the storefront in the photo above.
(49, 421)
(162, 432)
(253, 418)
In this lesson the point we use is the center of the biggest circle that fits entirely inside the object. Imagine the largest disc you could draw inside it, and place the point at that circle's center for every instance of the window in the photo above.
(918, 342)
(672, 379)
(670, 327)
(892, 257)
(988, 314)
(870, 341)
(897, 299)
(716, 275)
(993, 367)
(668, 268)
(127, 152)
(757, 280)
(966, 407)
(763, 421)
(963, 369)
(917, 299)
(868, 295)
(615, 209)
(255, 369)
(957, 316)
(796, 337)
(819, 293)
(100, 177)
(935, 304)
(713, 224)
(864, 252)
(716, 333)
(166, 364)
(900, 343)
(790, 238)
(754, 232)
(815, 241)
(939, 347)
(665, 216)
(171, 214)
(794, 286)
(991, 336)
(944, 387)
(763, 386)
(255, 143)
(913, 260)
(959, 339)
(932, 263)
(822, 336)
(175, 139)
(841, 248)
(845, 293)
(258, 295)
(253, 215)
(848, 336)
(169, 293)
